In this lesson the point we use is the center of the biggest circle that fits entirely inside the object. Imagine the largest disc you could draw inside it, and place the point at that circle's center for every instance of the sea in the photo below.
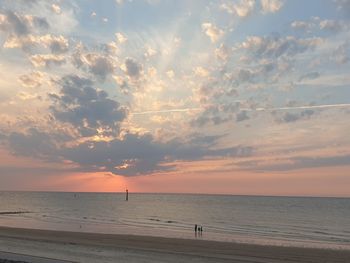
(287, 221)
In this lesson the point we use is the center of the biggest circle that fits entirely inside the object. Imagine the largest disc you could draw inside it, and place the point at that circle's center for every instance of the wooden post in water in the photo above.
(127, 195)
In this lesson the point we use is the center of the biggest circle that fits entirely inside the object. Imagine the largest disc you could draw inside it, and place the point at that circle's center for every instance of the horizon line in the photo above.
(179, 193)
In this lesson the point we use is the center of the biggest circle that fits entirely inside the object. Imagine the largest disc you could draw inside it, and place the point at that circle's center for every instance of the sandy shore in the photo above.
(90, 247)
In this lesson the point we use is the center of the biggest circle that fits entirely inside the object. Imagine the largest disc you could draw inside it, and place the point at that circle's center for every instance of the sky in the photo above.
(220, 97)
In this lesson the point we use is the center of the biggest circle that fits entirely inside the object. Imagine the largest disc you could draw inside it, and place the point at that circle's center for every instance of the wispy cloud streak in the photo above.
(325, 106)
(166, 111)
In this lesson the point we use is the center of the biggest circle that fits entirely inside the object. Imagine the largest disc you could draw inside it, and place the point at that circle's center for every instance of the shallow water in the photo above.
(290, 221)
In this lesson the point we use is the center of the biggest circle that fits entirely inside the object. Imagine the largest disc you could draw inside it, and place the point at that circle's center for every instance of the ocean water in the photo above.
(288, 221)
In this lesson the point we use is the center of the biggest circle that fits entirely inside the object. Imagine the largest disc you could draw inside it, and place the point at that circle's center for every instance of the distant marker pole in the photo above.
(127, 195)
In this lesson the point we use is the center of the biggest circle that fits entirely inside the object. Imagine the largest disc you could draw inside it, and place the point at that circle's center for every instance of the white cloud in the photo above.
(121, 38)
(57, 44)
(112, 48)
(222, 52)
(212, 32)
(26, 95)
(201, 72)
(56, 8)
(32, 80)
(301, 25)
(332, 25)
(47, 60)
(150, 52)
(170, 74)
(271, 6)
(244, 8)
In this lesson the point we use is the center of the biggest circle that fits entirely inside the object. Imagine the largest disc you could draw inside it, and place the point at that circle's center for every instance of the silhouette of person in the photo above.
(200, 230)
(195, 228)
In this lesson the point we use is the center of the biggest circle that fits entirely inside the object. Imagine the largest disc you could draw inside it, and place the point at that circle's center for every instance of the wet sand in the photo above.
(91, 247)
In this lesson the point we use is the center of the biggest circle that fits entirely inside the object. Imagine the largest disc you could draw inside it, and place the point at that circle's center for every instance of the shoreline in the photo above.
(171, 248)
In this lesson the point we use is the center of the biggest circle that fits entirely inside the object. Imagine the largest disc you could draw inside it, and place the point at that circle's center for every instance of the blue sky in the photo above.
(140, 89)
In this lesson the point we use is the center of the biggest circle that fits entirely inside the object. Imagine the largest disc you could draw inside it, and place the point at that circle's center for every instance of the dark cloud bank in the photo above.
(89, 112)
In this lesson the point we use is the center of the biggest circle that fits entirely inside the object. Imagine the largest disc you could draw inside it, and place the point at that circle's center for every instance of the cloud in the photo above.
(141, 154)
(132, 68)
(166, 111)
(47, 60)
(24, 42)
(27, 96)
(329, 25)
(56, 44)
(20, 25)
(18, 171)
(242, 116)
(244, 8)
(333, 26)
(32, 143)
(87, 109)
(293, 117)
(213, 114)
(212, 32)
(98, 64)
(298, 162)
(341, 54)
(32, 80)
(201, 72)
(222, 52)
(255, 75)
(306, 107)
(170, 74)
(343, 5)
(301, 25)
(245, 75)
(271, 6)
(274, 47)
(56, 8)
(129, 155)
(310, 75)
(121, 38)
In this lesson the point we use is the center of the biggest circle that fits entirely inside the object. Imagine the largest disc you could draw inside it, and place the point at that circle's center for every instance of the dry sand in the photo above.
(90, 247)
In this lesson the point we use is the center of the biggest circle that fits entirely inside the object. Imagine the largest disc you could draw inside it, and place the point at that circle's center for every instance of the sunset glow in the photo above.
(220, 97)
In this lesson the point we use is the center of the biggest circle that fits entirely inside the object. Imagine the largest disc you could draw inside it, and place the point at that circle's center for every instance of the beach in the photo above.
(92, 247)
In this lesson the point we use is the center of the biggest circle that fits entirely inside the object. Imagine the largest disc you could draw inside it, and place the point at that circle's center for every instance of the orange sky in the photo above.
(331, 181)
